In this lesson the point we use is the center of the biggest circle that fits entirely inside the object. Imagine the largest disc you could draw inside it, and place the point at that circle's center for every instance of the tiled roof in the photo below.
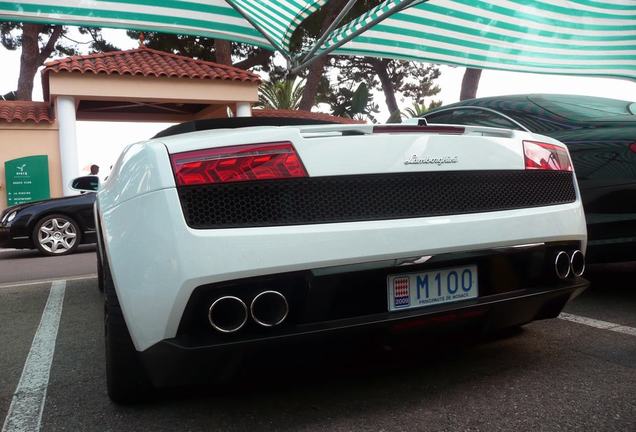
(303, 115)
(145, 61)
(25, 111)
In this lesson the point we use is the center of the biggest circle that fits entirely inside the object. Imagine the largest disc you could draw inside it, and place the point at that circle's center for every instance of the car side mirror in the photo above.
(85, 184)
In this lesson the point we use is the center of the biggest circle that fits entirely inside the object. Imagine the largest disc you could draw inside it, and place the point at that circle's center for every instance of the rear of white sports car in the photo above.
(216, 242)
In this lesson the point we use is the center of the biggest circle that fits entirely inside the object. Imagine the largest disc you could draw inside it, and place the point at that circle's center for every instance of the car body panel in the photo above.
(157, 260)
(139, 170)
(160, 260)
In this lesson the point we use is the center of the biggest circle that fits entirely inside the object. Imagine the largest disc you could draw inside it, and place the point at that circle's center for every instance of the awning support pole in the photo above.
(327, 32)
(304, 63)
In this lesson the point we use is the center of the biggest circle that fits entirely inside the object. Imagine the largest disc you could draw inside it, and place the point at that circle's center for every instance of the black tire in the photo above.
(100, 271)
(126, 379)
(61, 219)
(100, 258)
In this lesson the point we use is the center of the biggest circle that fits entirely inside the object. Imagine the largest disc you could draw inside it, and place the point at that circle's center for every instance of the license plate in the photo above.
(412, 290)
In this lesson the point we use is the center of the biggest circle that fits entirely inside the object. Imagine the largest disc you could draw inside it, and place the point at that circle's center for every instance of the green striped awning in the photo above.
(577, 37)
(266, 23)
(277, 18)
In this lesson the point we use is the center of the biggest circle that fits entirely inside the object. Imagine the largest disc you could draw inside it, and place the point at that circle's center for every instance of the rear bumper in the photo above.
(157, 261)
(176, 361)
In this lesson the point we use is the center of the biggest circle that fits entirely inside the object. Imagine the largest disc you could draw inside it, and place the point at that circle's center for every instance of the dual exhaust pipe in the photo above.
(566, 265)
(228, 314)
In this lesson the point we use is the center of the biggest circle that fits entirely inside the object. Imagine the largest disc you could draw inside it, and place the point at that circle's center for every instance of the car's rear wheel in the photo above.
(56, 235)
(100, 256)
(100, 271)
(126, 378)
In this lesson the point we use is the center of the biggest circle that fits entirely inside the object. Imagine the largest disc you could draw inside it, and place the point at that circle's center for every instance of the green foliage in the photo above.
(418, 110)
(339, 81)
(97, 42)
(346, 102)
(410, 79)
(285, 94)
(407, 79)
(38, 42)
(202, 48)
(11, 39)
(360, 99)
(197, 47)
(415, 111)
(7, 37)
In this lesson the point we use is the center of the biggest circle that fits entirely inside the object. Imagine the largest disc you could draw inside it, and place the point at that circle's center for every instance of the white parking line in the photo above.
(42, 281)
(25, 412)
(603, 325)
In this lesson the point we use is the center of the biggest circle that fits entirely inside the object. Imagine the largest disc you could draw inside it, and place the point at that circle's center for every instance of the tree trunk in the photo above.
(316, 68)
(28, 60)
(48, 49)
(32, 58)
(387, 86)
(260, 58)
(311, 84)
(223, 52)
(470, 83)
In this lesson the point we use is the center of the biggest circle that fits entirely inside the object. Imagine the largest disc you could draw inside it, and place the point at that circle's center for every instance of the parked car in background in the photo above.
(55, 226)
(601, 136)
(223, 241)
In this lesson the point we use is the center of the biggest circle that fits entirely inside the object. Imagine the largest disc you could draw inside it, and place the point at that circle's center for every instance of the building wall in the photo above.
(30, 139)
(151, 89)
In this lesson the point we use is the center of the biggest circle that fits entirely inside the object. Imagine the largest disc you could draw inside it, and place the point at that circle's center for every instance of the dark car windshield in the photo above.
(587, 108)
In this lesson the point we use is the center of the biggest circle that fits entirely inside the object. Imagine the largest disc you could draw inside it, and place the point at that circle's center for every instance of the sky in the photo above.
(102, 142)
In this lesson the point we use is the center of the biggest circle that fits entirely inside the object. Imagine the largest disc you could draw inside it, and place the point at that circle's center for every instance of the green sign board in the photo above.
(27, 179)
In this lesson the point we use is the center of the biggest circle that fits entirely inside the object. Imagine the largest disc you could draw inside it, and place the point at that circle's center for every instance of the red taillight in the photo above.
(416, 128)
(267, 161)
(632, 147)
(542, 156)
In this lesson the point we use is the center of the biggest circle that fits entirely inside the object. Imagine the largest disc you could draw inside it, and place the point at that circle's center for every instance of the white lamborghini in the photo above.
(215, 239)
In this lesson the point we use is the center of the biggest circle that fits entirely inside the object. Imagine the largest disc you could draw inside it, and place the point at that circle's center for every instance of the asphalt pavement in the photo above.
(554, 375)
(24, 265)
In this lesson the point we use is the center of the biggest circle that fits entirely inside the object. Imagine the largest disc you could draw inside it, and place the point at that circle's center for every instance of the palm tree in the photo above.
(284, 94)
(418, 110)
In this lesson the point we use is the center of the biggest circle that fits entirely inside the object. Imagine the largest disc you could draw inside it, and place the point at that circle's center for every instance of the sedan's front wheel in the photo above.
(56, 235)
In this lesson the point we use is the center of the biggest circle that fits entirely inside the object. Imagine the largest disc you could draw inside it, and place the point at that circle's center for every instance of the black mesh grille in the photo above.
(371, 197)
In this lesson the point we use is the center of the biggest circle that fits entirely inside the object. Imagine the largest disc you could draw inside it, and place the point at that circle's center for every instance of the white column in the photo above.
(65, 112)
(243, 109)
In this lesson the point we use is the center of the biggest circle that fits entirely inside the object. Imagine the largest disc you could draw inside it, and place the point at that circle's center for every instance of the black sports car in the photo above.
(55, 226)
(601, 136)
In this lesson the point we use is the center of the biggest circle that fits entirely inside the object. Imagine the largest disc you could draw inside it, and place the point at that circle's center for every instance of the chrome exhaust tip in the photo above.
(562, 265)
(269, 308)
(577, 263)
(227, 314)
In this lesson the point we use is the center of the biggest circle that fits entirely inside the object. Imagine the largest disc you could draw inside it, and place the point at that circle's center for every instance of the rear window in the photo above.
(582, 108)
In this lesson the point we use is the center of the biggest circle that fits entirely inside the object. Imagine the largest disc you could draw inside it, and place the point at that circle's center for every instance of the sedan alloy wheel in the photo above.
(57, 235)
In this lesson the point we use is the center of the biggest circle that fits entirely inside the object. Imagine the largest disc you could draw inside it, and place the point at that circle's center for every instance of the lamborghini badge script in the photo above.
(439, 161)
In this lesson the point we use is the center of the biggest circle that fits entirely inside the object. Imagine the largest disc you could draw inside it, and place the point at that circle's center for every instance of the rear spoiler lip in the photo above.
(315, 131)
